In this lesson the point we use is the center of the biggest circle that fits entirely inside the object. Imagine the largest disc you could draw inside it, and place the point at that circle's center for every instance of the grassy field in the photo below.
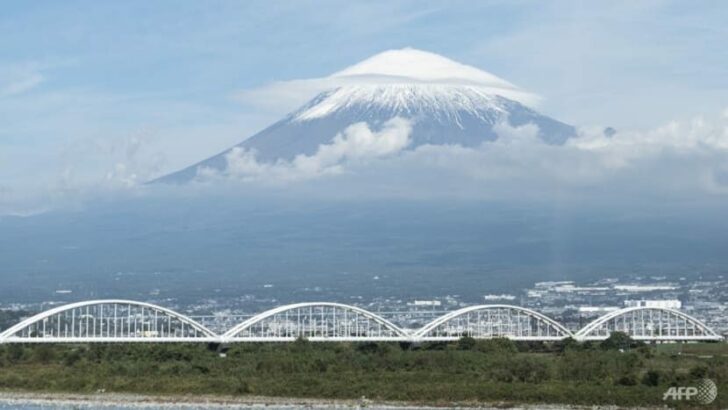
(467, 371)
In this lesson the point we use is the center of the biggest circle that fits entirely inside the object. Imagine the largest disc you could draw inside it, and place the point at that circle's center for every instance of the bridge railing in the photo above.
(131, 321)
(107, 321)
(650, 324)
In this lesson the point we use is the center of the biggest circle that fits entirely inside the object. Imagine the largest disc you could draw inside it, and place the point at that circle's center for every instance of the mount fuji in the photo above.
(447, 103)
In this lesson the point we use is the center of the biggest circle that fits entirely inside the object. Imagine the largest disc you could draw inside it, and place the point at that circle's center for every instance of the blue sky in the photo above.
(88, 85)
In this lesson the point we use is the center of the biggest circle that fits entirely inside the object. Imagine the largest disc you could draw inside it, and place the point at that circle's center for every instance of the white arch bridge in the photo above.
(130, 321)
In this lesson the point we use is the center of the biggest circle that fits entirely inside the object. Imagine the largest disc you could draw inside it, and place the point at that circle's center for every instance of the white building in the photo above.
(644, 288)
(504, 296)
(661, 304)
(597, 309)
(427, 303)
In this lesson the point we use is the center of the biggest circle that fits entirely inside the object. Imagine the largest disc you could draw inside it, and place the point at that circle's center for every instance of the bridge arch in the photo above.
(316, 321)
(488, 321)
(649, 324)
(107, 321)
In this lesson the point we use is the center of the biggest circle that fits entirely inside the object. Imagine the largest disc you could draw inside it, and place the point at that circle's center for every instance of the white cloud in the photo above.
(17, 79)
(404, 66)
(356, 144)
(681, 160)
(20, 85)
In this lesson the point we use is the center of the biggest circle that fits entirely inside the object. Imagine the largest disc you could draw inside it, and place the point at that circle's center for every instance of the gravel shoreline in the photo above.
(111, 400)
(102, 400)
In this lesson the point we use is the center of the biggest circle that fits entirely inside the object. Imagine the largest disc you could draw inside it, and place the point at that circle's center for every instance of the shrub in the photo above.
(44, 354)
(497, 345)
(72, 357)
(15, 353)
(529, 370)
(466, 343)
(568, 344)
(627, 380)
(651, 378)
(368, 347)
(698, 372)
(617, 341)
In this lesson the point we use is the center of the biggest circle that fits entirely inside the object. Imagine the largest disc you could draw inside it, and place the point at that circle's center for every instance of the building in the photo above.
(662, 304)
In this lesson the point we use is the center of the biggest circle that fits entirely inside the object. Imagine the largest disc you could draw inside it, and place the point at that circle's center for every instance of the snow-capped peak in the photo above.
(437, 101)
(411, 65)
(412, 82)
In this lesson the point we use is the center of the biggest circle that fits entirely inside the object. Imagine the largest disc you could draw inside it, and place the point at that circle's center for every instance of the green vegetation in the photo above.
(617, 371)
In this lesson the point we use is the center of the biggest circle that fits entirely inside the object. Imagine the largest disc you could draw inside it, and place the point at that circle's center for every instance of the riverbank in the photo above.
(101, 400)
(116, 400)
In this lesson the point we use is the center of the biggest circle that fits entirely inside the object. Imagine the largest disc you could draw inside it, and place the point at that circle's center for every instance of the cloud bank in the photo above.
(685, 162)
(355, 145)
(682, 160)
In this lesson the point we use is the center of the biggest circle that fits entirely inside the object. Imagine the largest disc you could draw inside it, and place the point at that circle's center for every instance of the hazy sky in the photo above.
(91, 90)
